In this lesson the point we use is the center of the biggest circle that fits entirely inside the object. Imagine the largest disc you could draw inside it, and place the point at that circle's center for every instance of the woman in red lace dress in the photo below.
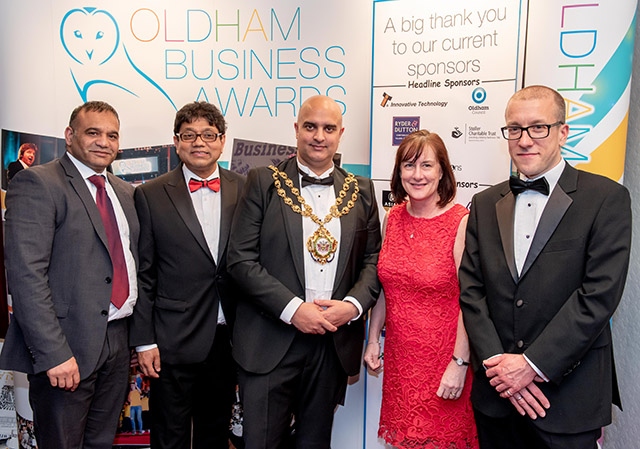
(426, 384)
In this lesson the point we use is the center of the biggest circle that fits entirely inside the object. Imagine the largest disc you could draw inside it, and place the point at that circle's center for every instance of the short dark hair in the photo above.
(538, 92)
(410, 149)
(200, 109)
(92, 106)
(27, 146)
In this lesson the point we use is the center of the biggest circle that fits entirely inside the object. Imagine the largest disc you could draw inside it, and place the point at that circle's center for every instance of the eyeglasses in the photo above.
(206, 136)
(535, 131)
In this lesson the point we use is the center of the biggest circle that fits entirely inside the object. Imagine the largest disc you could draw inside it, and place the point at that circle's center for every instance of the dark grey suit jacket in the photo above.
(266, 259)
(557, 311)
(180, 285)
(58, 268)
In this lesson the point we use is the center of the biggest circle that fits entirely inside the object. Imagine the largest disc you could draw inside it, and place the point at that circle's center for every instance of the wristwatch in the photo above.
(459, 361)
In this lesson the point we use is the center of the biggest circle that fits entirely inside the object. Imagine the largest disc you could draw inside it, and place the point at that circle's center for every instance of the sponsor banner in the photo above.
(448, 68)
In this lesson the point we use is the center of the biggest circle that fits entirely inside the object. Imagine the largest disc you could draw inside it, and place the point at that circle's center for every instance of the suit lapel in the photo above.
(348, 224)
(80, 186)
(178, 193)
(292, 220)
(228, 200)
(505, 210)
(559, 202)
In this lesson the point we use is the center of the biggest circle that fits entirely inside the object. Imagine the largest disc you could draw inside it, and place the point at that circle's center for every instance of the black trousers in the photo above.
(196, 396)
(306, 386)
(519, 432)
(86, 418)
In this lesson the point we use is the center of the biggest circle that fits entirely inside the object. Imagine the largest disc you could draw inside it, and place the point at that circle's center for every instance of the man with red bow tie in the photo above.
(182, 323)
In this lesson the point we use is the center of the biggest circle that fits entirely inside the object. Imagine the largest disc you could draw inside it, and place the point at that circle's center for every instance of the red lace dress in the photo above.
(420, 282)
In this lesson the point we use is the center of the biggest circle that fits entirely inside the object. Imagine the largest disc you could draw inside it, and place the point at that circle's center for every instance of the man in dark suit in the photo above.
(26, 158)
(308, 277)
(72, 277)
(543, 271)
(181, 324)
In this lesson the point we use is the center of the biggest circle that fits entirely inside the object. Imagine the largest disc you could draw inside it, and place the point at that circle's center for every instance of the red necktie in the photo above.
(213, 184)
(120, 281)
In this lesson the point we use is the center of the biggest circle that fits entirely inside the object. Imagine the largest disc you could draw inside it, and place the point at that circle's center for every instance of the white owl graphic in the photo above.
(91, 37)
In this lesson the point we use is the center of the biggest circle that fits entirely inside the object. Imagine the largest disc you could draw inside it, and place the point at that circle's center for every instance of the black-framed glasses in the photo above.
(207, 136)
(539, 131)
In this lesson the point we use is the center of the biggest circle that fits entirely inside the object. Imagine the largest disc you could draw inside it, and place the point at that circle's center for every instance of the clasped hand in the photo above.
(323, 315)
(514, 379)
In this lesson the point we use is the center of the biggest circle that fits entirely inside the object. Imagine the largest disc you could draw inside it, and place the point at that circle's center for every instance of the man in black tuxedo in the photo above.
(308, 278)
(182, 323)
(543, 271)
(26, 158)
(72, 277)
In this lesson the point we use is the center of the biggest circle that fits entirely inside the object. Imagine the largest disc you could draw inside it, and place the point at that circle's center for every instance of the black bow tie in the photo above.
(518, 186)
(310, 180)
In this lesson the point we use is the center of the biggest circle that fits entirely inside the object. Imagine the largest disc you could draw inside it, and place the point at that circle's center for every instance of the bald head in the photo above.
(541, 93)
(318, 132)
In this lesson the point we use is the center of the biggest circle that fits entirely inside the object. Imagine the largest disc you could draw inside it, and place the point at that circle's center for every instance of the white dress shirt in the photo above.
(318, 278)
(208, 207)
(123, 227)
(529, 207)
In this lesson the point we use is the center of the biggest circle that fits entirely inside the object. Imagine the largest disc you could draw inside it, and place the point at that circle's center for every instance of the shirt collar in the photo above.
(552, 176)
(307, 171)
(188, 174)
(85, 171)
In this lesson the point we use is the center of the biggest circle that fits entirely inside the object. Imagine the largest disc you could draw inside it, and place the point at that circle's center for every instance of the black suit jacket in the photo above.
(266, 259)
(58, 268)
(557, 311)
(13, 169)
(180, 284)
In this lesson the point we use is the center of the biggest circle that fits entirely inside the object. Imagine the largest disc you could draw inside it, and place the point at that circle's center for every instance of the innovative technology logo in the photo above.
(91, 38)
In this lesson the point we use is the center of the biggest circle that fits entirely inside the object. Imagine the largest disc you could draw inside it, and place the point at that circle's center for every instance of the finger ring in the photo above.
(452, 395)
(509, 393)
(519, 397)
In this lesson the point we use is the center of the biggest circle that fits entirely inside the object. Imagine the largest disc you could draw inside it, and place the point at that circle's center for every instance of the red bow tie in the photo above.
(213, 184)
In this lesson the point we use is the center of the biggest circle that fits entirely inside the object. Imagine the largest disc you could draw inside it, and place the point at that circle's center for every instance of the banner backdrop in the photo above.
(587, 58)
(256, 62)
(392, 65)
(450, 68)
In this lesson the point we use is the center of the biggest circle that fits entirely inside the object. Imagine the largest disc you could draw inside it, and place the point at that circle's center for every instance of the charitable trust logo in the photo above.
(91, 38)
(479, 95)
(456, 133)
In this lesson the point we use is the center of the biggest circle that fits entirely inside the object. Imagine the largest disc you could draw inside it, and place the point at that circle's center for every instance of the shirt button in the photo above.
(527, 236)
(520, 343)
(519, 303)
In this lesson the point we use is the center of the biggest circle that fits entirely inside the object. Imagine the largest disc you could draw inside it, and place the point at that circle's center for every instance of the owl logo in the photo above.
(91, 38)
(89, 35)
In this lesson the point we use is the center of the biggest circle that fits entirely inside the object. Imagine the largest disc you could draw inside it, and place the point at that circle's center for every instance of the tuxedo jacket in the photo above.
(13, 169)
(179, 283)
(266, 258)
(557, 310)
(59, 269)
